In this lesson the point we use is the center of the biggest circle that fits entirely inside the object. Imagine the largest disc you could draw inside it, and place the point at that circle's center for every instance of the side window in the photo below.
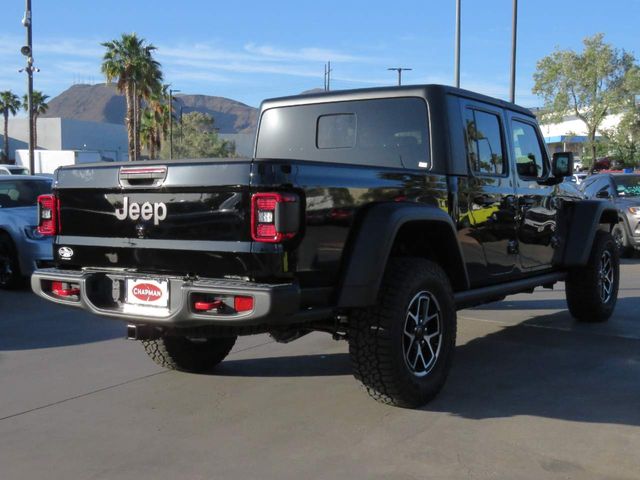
(484, 143)
(527, 151)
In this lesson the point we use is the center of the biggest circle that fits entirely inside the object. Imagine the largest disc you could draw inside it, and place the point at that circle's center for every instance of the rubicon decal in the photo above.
(147, 211)
(146, 292)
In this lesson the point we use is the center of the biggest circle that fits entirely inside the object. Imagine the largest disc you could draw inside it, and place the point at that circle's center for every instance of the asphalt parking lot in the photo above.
(531, 395)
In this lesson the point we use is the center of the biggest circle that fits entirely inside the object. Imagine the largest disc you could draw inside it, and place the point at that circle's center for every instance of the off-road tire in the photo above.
(10, 275)
(376, 335)
(584, 284)
(188, 355)
(622, 240)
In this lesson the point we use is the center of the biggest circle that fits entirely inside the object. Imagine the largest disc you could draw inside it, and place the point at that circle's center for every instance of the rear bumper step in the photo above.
(101, 292)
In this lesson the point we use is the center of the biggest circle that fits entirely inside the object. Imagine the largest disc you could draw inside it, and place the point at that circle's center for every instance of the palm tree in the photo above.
(129, 61)
(148, 85)
(148, 132)
(159, 104)
(39, 106)
(9, 104)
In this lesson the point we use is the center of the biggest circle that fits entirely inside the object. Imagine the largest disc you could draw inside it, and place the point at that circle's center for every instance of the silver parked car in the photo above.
(623, 189)
(13, 170)
(22, 248)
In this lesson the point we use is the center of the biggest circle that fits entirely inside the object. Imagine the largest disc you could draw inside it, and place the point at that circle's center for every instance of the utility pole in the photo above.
(28, 52)
(456, 74)
(400, 70)
(327, 76)
(514, 38)
(171, 92)
(324, 86)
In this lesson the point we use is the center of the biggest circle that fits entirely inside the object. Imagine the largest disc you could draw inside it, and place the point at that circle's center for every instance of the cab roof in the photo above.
(429, 92)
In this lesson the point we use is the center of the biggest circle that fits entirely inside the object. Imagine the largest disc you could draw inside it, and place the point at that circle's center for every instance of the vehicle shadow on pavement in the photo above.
(328, 365)
(569, 375)
(625, 306)
(28, 322)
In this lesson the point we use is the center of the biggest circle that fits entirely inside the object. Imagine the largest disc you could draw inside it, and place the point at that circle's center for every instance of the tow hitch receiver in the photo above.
(143, 332)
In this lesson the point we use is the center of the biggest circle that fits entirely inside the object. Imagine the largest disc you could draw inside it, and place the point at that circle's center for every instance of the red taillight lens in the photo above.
(243, 304)
(274, 216)
(48, 209)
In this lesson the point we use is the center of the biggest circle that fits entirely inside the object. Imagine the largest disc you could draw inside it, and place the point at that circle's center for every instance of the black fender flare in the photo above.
(371, 246)
(582, 220)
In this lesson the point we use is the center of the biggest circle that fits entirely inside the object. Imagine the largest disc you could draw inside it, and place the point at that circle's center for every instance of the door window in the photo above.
(527, 151)
(484, 143)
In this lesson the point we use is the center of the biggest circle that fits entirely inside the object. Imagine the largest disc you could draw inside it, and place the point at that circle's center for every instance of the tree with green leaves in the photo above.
(154, 123)
(198, 139)
(39, 106)
(148, 132)
(9, 105)
(623, 140)
(599, 81)
(129, 62)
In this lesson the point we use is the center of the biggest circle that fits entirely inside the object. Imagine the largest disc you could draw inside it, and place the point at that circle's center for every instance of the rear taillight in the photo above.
(274, 216)
(48, 215)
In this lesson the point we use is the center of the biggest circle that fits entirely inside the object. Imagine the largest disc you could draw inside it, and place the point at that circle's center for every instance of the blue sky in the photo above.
(251, 50)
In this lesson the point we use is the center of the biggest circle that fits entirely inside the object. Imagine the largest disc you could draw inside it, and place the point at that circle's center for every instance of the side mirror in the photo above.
(562, 164)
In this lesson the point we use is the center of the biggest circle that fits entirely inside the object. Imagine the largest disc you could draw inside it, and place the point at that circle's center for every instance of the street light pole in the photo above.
(456, 74)
(26, 21)
(171, 92)
(514, 38)
(399, 70)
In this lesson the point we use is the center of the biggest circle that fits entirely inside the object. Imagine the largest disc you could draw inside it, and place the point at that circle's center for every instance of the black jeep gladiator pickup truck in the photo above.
(373, 215)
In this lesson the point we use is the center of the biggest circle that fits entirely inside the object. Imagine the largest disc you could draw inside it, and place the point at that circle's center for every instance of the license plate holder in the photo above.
(147, 292)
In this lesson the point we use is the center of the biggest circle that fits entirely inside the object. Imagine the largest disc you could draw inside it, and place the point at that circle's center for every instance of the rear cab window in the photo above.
(391, 132)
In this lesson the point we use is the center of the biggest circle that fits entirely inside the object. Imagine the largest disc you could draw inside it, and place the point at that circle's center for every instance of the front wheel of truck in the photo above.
(188, 354)
(402, 348)
(592, 290)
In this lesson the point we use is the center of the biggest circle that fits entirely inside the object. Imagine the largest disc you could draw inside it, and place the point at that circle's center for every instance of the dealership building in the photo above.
(570, 135)
(109, 139)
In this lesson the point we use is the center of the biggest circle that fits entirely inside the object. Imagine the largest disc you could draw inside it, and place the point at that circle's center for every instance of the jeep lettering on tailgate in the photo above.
(146, 211)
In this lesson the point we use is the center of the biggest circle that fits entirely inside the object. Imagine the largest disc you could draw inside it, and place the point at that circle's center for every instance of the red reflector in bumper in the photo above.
(63, 289)
(206, 306)
(243, 304)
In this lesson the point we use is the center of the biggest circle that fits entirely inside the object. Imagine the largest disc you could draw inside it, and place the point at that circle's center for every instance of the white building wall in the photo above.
(66, 134)
(574, 126)
(108, 138)
(49, 134)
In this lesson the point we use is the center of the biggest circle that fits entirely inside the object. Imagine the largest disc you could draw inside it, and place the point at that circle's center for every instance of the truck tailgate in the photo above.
(183, 216)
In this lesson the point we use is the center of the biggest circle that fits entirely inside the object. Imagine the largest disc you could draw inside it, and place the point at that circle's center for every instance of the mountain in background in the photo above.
(103, 103)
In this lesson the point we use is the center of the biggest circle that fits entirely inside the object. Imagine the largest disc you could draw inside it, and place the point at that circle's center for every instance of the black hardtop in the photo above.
(430, 92)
